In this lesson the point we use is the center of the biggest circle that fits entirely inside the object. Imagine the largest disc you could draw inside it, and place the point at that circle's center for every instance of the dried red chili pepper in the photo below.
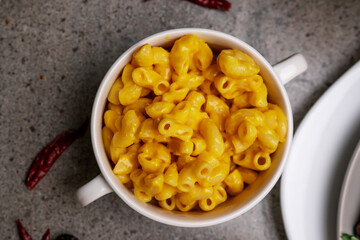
(46, 235)
(216, 4)
(47, 157)
(22, 232)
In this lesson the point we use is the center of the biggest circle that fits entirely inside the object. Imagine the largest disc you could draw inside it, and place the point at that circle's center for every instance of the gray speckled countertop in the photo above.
(73, 43)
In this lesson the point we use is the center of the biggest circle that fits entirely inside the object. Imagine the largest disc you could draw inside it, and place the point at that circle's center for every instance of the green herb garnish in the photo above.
(345, 236)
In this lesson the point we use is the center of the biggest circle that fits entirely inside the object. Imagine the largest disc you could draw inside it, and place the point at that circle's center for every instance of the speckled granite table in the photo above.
(53, 55)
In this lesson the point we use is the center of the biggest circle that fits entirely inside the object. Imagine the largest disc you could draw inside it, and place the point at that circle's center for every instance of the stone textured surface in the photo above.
(73, 43)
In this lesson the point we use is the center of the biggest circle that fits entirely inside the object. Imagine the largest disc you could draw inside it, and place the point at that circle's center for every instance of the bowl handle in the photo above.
(93, 190)
(290, 67)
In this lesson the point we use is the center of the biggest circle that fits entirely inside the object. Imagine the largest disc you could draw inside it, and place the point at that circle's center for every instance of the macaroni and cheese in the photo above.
(187, 129)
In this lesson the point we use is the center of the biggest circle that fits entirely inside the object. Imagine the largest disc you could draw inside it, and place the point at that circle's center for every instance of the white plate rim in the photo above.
(349, 175)
(343, 80)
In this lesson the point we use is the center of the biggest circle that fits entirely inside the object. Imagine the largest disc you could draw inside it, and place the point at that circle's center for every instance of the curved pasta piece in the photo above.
(183, 160)
(219, 196)
(115, 152)
(180, 113)
(208, 87)
(168, 204)
(249, 176)
(107, 136)
(150, 79)
(227, 87)
(166, 193)
(138, 106)
(207, 204)
(199, 145)
(236, 64)
(203, 57)
(154, 157)
(129, 127)
(158, 109)
(197, 193)
(117, 108)
(143, 57)
(253, 159)
(110, 117)
(217, 109)
(171, 175)
(154, 183)
(161, 56)
(127, 161)
(196, 99)
(137, 176)
(182, 53)
(252, 115)
(241, 101)
(141, 194)
(179, 147)
(177, 92)
(148, 132)
(186, 180)
(234, 182)
(125, 179)
(276, 119)
(131, 91)
(184, 207)
(164, 70)
(113, 96)
(258, 97)
(170, 128)
(245, 137)
(211, 72)
(219, 174)
(201, 169)
(267, 138)
(213, 138)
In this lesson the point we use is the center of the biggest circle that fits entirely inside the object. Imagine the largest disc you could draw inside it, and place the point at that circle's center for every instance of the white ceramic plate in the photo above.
(321, 150)
(349, 203)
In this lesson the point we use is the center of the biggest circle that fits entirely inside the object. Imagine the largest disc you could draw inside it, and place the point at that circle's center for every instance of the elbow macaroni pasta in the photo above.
(187, 130)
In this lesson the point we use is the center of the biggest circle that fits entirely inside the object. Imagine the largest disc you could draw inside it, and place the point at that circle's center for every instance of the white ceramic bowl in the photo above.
(233, 207)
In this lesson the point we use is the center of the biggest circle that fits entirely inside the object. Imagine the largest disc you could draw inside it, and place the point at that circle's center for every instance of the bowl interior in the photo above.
(234, 206)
